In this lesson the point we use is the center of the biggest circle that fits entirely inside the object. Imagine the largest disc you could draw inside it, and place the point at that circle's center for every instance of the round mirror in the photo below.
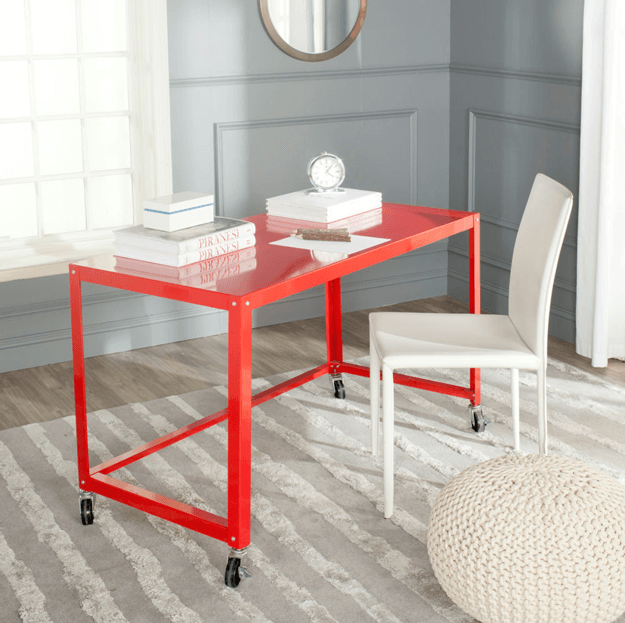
(313, 30)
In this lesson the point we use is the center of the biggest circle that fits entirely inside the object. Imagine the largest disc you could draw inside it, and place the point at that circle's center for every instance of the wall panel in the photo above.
(515, 91)
(260, 159)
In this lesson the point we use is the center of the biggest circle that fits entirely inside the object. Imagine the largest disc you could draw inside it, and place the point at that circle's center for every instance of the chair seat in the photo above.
(416, 340)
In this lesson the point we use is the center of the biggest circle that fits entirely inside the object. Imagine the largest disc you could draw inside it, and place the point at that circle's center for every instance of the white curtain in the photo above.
(600, 312)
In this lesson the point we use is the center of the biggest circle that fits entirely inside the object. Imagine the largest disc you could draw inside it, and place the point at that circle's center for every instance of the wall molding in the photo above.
(569, 241)
(495, 263)
(474, 115)
(515, 74)
(498, 291)
(63, 304)
(377, 283)
(101, 328)
(220, 130)
(301, 76)
(373, 72)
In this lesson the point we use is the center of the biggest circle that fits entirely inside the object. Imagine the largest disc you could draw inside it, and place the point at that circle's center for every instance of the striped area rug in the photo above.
(321, 549)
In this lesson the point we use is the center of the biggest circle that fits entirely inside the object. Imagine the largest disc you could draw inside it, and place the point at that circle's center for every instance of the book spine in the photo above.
(215, 250)
(218, 238)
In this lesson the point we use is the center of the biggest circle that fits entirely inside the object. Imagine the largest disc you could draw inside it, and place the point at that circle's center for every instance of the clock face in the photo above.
(326, 172)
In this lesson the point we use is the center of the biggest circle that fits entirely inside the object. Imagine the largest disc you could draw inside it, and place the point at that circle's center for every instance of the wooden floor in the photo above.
(46, 393)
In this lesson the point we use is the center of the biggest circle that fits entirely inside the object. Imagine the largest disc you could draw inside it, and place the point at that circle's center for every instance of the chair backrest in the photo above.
(535, 259)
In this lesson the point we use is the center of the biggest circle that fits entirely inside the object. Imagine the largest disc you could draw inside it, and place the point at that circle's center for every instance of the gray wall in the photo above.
(439, 102)
(246, 119)
(515, 110)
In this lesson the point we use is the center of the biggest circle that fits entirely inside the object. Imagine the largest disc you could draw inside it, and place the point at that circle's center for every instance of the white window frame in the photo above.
(150, 138)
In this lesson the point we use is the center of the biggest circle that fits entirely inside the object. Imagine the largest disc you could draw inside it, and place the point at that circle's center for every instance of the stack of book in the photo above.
(200, 274)
(354, 224)
(186, 246)
(324, 207)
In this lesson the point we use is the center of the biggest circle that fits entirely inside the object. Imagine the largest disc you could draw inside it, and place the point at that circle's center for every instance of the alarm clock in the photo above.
(326, 173)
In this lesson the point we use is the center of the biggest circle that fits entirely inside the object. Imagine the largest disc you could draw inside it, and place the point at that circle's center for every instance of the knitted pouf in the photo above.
(531, 539)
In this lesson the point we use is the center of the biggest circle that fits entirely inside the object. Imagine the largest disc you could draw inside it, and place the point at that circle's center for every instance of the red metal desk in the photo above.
(280, 272)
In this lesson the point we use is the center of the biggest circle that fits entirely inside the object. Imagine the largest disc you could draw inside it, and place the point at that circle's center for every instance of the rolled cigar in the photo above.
(339, 235)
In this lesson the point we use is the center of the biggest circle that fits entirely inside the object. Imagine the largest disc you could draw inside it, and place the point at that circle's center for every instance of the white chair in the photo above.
(516, 341)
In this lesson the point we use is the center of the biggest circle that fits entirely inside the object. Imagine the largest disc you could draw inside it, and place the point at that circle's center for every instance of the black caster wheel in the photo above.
(235, 572)
(339, 389)
(86, 511)
(478, 422)
(233, 579)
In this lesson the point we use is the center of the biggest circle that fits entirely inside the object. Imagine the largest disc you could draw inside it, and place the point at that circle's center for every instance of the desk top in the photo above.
(269, 272)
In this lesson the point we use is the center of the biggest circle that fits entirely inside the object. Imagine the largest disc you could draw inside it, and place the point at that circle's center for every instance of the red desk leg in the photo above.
(334, 335)
(239, 424)
(474, 295)
(80, 397)
(334, 325)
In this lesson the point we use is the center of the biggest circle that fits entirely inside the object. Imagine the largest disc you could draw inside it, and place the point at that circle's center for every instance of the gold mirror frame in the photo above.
(308, 56)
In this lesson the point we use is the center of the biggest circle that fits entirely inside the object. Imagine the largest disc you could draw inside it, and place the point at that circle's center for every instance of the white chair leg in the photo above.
(541, 384)
(388, 420)
(374, 389)
(514, 393)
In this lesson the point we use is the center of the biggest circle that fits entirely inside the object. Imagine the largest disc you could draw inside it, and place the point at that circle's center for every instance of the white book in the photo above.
(146, 255)
(328, 215)
(174, 243)
(324, 201)
(178, 202)
(179, 211)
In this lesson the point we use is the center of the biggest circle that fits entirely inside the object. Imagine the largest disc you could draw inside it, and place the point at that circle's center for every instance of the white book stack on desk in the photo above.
(178, 211)
(324, 207)
(186, 246)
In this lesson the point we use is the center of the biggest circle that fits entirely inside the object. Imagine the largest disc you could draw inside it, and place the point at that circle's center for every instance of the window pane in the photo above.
(106, 84)
(109, 201)
(12, 28)
(63, 206)
(16, 150)
(104, 25)
(15, 101)
(60, 147)
(18, 210)
(107, 143)
(56, 87)
(53, 26)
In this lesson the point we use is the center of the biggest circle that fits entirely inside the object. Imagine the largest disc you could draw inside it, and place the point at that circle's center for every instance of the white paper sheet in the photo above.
(357, 243)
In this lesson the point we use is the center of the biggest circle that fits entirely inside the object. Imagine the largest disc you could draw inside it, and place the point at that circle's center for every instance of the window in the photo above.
(72, 162)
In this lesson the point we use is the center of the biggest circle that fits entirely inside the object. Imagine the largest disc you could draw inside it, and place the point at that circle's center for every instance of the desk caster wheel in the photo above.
(87, 503)
(478, 422)
(234, 571)
(339, 388)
